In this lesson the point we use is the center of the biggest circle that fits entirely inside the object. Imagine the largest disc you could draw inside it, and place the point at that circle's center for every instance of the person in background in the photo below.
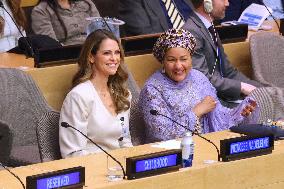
(99, 103)
(63, 20)
(277, 8)
(10, 33)
(210, 58)
(236, 7)
(153, 16)
(184, 94)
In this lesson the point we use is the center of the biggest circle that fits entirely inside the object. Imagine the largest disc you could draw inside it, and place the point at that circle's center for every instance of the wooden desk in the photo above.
(11, 60)
(266, 22)
(260, 172)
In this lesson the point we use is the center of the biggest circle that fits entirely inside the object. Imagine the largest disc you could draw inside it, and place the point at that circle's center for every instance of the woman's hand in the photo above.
(247, 88)
(248, 109)
(205, 106)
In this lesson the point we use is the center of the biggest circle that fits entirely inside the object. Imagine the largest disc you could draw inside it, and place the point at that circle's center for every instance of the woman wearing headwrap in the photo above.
(185, 94)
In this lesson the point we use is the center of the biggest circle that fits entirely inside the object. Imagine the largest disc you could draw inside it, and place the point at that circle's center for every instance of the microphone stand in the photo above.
(155, 112)
(66, 125)
(13, 175)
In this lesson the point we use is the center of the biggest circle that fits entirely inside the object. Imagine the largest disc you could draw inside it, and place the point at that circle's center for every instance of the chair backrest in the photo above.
(267, 53)
(271, 103)
(5, 142)
(54, 82)
(21, 105)
(28, 3)
(48, 136)
(142, 67)
(136, 123)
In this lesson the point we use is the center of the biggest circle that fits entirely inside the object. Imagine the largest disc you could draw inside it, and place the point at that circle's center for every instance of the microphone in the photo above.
(28, 43)
(156, 113)
(66, 125)
(9, 169)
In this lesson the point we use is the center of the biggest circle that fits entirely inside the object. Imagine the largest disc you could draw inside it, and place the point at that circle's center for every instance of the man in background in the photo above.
(209, 56)
(153, 16)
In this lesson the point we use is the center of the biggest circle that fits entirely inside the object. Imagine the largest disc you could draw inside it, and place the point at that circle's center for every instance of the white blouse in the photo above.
(11, 34)
(84, 110)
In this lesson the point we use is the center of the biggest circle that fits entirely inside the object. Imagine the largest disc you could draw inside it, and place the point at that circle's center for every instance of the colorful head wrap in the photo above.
(171, 39)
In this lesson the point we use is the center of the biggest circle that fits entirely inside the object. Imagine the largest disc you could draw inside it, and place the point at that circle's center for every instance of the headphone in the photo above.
(208, 6)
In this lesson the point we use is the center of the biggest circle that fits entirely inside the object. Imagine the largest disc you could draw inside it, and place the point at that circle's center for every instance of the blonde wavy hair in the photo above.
(116, 82)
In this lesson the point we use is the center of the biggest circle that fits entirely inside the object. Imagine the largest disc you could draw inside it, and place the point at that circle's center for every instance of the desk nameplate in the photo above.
(153, 164)
(70, 178)
(246, 146)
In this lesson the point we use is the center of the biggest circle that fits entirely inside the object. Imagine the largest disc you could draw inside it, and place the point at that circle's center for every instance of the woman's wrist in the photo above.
(197, 113)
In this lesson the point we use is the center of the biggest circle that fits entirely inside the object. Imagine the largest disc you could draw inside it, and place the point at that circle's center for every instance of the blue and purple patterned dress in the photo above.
(177, 99)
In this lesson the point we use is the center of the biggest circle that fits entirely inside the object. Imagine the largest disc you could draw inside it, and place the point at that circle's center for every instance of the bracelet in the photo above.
(198, 126)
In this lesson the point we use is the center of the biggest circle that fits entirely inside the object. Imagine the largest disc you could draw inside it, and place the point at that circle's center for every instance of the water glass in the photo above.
(114, 171)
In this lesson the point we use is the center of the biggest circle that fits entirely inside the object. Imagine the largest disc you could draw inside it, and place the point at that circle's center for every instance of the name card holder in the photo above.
(153, 164)
(246, 146)
(71, 178)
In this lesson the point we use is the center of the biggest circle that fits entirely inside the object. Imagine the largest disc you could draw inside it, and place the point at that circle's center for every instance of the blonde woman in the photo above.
(99, 103)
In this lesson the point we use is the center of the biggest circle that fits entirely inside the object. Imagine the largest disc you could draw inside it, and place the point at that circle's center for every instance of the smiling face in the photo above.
(107, 58)
(177, 63)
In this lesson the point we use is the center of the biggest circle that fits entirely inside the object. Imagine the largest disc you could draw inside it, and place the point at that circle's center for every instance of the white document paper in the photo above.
(170, 144)
(254, 15)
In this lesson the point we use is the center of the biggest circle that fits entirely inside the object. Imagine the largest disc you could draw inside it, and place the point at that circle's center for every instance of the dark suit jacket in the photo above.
(228, 87)
(236, 7)
(143, 16)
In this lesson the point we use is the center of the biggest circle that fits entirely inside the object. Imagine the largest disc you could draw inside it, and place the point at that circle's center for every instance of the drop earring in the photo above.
(163, 70)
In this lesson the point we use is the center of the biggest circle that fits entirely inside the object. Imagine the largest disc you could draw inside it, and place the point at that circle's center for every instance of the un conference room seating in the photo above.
(48, 136)
(271, 103)
(136, 122)
(56, 87)
(267, 55)
(5, 142)
(22, 106)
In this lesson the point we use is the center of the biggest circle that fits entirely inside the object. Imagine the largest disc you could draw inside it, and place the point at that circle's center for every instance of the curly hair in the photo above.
(116, 82)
